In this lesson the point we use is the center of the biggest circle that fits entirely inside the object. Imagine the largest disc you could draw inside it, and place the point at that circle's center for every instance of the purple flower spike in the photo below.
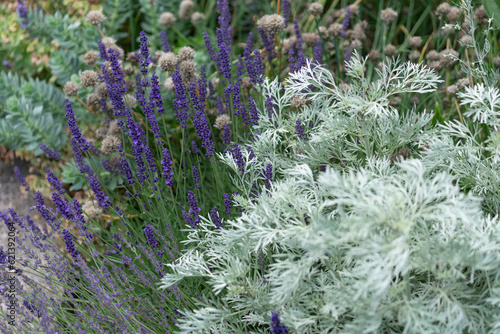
(300, 130)
(258, 67)
(254, 113)
(62, 206)
(286, 10)
(276, 327)
(56, 184)
(144, 50)
(238, 157)
(22, 11)
(50, 153)
(346, 22)
(99, 194)
(149, 231)
(196, 177)
(21, 178)
(215, 218)
(247, 50)
(164, 41)
(70, 246)
(192, 216)
(268, 175)
(318, 52)
(73, 127)
(167, 168)
(223, 55)
(181, 102)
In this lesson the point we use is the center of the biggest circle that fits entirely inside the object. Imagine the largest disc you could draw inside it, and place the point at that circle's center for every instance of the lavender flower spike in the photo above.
(276, 326)
(50, 153)
(70, 246)
(223, 55)
(99, 194)
(21, 178)
(167, 168)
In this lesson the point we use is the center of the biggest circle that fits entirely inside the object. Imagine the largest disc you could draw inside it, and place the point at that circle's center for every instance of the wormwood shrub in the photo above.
(360, 232)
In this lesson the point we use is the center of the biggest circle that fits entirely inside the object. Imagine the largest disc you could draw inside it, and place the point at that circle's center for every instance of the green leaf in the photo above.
(492, 8)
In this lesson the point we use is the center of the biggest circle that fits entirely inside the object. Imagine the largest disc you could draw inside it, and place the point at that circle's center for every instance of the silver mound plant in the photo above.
(347, 239)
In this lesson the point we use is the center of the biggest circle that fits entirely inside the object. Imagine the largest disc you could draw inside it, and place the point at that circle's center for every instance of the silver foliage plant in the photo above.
(367, 244)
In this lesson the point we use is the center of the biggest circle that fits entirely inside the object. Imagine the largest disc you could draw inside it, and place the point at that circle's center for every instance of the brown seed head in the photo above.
(95, 17)
(388, 15)
(90, 57)
(316, 9)
(168, 61)
(186, 53)
(185, 9)
(71, 88)
(89, 78)
(167, 19)
(197, 18)
(271, 23)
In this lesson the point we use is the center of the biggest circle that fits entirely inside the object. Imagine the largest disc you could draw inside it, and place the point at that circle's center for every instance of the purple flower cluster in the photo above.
(268, 175)
(21, 178)
(247, 50)
(22, 11)
(255, 68)
(224, 20)
(49, 218)
(62, 206)
(181, 102)
(267, 41)
(196, 177)
(239, 106)
(201, 123)
(149, 232)
(300, 130)
(318, 53)
(73, 127)
(238, 157)
(164, 41)
(102, 198)
(167, 168)
(214, 214)
(82, 167)
(254, 113)
(70, 246)
(346, 22)
(144, 51)
(270, 107)
(286, 9)
(50, 153)
(276, 326)
(192, 216)
(56, 184)
(226, 134)
(223, 55)
(227, 203)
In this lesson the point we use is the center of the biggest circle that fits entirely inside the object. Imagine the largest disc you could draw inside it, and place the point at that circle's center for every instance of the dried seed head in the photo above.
(157, 55)
(130, 100)
(335, 30)
(354, 9)
(388, 15)
(167, 19)
(130, 84)
(310, 38)
(71, 88)
(93, 100)
(185, 9)
(463, 82)
(298, 101)
(186, 53)
(114, 129)
(128, 70)
(480, 15)
(221, 120)
(92, 209)
(374, 55)
(197, 18)
(452, 90)
(109, 144)
(414, 100)
(453, 14)
(467, 41)
(101, 132)
(432, 55)
(89, 78)
(101, 91)
(442, 10)
(329, 47)
(131, 58)
(414, 55)
(271, 23)
(90, 57)
(357, 32)
(187, 67)
(169, 84)
(168, 61)
(109, 42)
(245, 83)
(448, 57)
(95, 17)
(316, 9)
(415, 42)
(390, 50)
(356, 44)
(496, 62)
